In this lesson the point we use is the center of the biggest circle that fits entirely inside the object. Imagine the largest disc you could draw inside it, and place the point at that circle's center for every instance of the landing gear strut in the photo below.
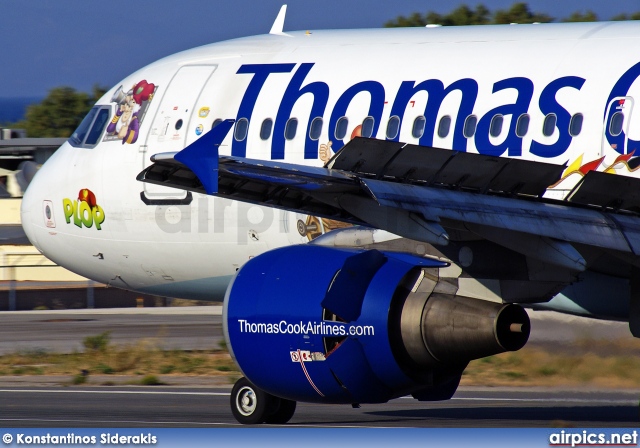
(251, 406)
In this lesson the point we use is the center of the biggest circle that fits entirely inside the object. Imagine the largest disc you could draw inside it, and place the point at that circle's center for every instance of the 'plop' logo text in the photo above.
(85, 210)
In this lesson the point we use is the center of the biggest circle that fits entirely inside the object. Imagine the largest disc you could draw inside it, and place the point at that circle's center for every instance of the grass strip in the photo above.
(597, 363)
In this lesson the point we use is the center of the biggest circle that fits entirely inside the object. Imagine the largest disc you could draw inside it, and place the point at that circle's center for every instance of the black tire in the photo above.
(283, 413)
(250, 405)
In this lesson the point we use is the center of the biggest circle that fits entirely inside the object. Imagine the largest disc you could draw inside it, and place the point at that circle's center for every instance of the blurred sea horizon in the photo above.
(14, 109)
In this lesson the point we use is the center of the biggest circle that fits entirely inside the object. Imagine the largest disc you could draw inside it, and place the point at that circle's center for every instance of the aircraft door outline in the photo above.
(618, 108)
(170, 126)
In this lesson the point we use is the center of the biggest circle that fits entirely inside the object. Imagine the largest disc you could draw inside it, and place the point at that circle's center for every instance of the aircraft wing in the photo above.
(420, 192)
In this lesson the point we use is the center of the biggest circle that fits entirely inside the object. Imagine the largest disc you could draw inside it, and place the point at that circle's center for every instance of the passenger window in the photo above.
(418, 127)
(393, 126)
(367, 127)
(575, 125)
(316, 128)
(98, 127)
(265, 129)
(242, 127)
(216, 122)
(341, 128)
(77, 138)
(290, 128)
(444, 126)
(495, 128)
(522, 125)
(470, 126)
(615, 127)
(549, 125)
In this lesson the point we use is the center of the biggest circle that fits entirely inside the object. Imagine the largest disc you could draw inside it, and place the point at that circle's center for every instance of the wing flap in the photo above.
(607, 191)
(406, 163)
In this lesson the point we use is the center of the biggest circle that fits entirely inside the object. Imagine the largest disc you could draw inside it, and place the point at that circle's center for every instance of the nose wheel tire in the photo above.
(252, 406)
(249, 404)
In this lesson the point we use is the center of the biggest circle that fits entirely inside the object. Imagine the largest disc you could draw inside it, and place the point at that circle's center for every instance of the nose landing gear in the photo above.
(252, 406)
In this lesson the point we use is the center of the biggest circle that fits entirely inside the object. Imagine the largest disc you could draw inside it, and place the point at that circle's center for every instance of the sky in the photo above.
(80, 43)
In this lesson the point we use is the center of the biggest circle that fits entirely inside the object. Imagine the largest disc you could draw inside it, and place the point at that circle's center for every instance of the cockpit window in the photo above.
(79, 134)
(91, 128)
(98, 126)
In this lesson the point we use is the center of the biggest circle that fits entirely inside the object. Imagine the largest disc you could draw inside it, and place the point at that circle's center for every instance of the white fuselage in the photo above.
(431, 84)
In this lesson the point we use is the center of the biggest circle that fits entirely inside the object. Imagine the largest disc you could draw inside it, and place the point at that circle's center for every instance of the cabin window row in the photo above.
(418, 128)
(496, 126)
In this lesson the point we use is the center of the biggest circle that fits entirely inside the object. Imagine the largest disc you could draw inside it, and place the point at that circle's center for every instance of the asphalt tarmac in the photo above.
(209, 407)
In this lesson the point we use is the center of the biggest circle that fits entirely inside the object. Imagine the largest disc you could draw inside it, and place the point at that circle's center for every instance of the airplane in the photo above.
(374, 207)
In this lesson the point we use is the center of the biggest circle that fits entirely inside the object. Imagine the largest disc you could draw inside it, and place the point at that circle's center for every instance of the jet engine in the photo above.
(327, 325)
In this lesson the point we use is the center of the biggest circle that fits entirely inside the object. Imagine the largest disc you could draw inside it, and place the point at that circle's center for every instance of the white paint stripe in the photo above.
(211, 310)
(143, 422)
(629, 401)
(124, 392)
(546, 400)
(563, 399)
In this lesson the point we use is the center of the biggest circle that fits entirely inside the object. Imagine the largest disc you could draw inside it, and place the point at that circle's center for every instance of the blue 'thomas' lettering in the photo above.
(437, 93)
(260, 74)
(513, 143)
(375, 89)
(320, 92)
(549, 105)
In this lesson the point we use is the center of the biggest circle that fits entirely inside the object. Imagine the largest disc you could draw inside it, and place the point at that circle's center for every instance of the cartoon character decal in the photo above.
(132, 107)
(313, 226)
(85, 211)
(326, 151)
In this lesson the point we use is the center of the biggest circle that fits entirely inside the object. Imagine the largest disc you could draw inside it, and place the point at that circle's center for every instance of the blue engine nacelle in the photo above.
(317, 324)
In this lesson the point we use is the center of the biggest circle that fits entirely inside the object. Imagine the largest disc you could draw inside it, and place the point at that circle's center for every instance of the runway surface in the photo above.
(34, 402)
(209, 407)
